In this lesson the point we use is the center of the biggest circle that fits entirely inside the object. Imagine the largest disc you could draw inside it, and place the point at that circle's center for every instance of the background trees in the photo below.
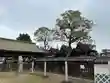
(105, 52)
(24, 37)
(71, 27)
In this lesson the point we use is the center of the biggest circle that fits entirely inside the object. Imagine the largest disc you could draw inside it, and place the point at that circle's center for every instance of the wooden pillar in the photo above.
(66, 71)
(20, 62)
(32, 69)
(45, 68)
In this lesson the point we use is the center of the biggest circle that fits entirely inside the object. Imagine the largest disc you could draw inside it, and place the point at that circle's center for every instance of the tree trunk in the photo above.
(69, 49)
(69, 41)
(69, 44)
(44, 44)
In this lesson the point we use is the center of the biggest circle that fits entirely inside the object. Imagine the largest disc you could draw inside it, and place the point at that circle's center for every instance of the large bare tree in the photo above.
(74, 27)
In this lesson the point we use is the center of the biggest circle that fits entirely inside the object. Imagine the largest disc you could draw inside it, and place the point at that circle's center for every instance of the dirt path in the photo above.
(36, 78)
(57, 78)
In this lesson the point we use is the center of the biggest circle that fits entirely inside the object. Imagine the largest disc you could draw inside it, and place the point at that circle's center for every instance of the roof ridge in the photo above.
(16, 40)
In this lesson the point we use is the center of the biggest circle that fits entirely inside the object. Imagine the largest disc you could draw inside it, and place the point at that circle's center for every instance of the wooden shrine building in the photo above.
(10, 50)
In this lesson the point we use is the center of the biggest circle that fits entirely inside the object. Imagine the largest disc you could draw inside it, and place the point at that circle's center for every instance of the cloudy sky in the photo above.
(27, 15)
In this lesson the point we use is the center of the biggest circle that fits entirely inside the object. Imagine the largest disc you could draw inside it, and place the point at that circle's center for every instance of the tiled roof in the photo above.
(15, 45)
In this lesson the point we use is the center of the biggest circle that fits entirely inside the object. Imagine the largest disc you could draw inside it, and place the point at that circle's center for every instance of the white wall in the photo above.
(101, 69)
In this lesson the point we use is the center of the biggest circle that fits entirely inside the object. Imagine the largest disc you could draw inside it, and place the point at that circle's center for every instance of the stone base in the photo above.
(66, 82)
(45, 76)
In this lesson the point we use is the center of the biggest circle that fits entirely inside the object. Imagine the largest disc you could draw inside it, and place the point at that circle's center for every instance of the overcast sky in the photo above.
(27, 15)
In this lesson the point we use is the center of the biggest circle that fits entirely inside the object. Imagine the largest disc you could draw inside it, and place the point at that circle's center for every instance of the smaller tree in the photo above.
(43, 34)
(24, 37)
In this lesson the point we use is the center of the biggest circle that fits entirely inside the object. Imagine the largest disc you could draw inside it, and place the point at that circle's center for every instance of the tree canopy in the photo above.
(74, 27)
(24, 37)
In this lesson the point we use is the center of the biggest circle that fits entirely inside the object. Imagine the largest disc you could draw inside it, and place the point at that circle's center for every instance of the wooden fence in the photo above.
(56, 67)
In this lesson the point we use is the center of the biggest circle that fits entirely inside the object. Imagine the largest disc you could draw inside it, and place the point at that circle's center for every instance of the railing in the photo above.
(81, 58)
